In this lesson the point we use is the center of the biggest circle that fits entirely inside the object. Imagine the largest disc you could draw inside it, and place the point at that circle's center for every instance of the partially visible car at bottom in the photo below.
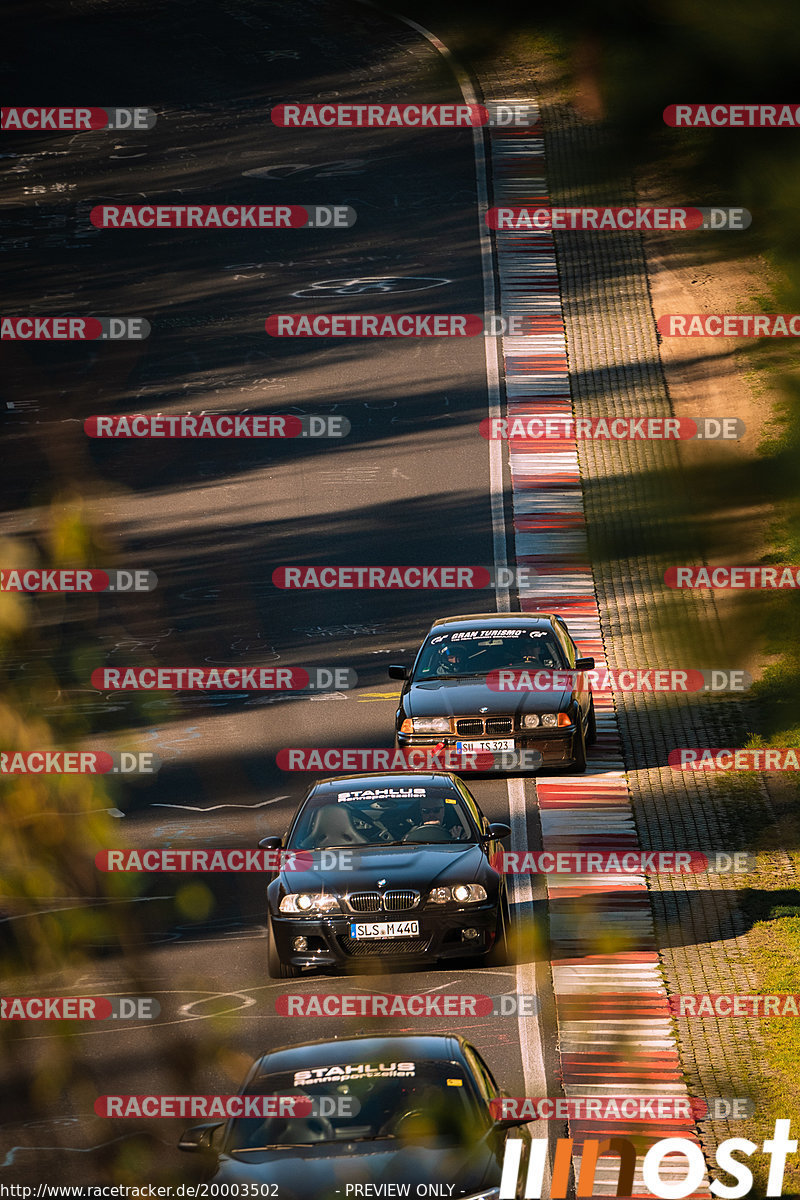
(419, 1114)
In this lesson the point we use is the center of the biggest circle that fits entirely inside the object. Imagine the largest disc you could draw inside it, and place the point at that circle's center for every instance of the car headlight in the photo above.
(310, 902)
(461, 893)
(425, 725)
(548, 720)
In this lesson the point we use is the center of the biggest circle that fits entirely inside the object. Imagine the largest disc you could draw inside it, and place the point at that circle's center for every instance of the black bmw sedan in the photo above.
(394, 1110)
(451, 695)
(393, 866)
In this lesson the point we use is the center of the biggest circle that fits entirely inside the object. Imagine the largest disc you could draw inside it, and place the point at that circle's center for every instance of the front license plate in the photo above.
(385, 929)
(494, 744)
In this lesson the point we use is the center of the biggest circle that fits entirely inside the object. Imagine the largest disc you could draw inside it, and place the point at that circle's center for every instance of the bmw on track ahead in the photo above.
(401, 1109)
(400, 868)
(446, 698)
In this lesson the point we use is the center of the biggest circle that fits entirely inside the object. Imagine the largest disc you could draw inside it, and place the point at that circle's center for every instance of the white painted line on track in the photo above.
(214, 807)
(530, 1031)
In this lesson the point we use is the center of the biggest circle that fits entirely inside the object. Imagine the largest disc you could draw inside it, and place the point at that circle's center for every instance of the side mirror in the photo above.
(270, 843)
(498, 831)
(198, 1138)
(584, 664)
(397, 671)
(511, 1122)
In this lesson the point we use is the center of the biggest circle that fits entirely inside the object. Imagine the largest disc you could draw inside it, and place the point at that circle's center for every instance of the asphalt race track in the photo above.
(411, 484)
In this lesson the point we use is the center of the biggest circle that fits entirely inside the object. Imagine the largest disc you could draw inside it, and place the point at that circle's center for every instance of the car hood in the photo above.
(465, 697)
(413, 866)
(322, 1173)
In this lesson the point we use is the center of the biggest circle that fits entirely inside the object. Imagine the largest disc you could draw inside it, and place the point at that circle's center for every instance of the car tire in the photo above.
(276, 967)
(579, 753)
(500, 953)
(591, 729)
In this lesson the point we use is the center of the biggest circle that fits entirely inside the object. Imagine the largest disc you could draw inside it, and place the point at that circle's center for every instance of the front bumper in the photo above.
(440, 936)
(555, 746)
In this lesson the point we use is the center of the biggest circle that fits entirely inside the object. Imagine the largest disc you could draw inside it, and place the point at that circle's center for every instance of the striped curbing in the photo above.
(616, 1036)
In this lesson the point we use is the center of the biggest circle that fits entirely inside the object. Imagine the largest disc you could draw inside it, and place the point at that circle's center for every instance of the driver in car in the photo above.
(450, 661)
(433, 826)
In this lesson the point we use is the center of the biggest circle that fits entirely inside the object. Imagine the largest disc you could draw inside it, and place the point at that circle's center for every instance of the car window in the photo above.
(472, 805)
(392, 1100)
(481, 1074)
(471, 652)
(364, 817)
(494, 1089)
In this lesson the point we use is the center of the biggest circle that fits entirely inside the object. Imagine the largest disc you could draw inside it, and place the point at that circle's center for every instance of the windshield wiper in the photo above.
(383, 1137)
(440, 678)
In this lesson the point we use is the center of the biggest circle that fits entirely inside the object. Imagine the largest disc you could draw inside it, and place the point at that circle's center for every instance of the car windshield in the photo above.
(469, 652)
(374, 817)
(398, 1101)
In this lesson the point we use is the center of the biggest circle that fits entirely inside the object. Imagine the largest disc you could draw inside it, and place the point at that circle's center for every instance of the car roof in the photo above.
(404, 779)
(388, 1047)
(532, 620)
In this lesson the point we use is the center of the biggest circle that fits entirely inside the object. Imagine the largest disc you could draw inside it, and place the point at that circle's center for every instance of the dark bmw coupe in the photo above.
(446, 697)
(405, 1112)
(399, 868)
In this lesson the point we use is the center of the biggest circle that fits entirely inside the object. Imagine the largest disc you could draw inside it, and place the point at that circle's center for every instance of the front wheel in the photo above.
(579, 751)
(500, 954)
(591, 731)
(276, 967)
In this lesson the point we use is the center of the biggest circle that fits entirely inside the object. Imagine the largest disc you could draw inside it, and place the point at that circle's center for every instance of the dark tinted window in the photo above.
(472, 652)
(358, 816)
(393, 1100)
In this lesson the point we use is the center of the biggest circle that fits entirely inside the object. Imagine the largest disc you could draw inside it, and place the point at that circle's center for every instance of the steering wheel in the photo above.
(408, 1118)
(319, 1127)
(366, 825)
